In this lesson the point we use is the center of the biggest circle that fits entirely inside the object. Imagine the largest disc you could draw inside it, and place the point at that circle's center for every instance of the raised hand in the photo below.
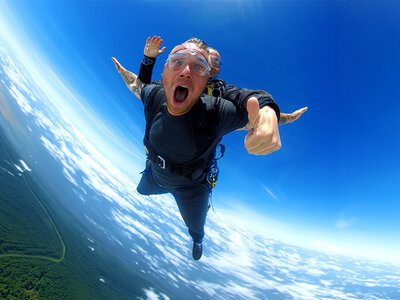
(263, 137)
(288, 118)
(152, 47)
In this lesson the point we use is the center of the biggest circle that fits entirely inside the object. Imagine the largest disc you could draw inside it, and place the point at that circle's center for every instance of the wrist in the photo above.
(147, 60)
(271, 107)
(266, 108)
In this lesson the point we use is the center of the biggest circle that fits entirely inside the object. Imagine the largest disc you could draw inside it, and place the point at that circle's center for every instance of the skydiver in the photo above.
(184, 128)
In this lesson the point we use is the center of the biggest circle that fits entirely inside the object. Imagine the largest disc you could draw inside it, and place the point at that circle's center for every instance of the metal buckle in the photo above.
(161, 162)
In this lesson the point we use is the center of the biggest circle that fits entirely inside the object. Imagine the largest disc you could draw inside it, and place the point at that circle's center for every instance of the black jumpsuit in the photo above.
(174, 140)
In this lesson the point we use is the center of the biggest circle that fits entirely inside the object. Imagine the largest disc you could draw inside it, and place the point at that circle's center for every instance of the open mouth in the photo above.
(181, 93)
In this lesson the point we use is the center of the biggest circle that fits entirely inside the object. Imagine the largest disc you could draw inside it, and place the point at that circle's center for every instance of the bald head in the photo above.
(215, 61)
(195, 45)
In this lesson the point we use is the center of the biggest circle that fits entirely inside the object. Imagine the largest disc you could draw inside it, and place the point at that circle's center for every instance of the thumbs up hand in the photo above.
(263, 137)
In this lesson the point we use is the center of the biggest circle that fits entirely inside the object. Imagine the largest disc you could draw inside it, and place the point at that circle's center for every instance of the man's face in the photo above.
(184, 77)
(215, 59)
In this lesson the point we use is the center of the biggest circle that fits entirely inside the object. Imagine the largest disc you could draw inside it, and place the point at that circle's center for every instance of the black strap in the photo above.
(157, 99)
(205, 122)
(201, 162)
(218, 88)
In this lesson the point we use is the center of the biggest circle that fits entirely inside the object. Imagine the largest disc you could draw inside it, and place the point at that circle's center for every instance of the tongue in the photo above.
(180, 94)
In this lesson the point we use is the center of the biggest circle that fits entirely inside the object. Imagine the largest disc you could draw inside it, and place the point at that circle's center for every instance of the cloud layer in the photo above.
(237, 263)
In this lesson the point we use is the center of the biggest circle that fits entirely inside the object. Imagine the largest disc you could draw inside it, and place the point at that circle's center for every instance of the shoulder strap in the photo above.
(206, 121)
(156, 101)
(209, 88)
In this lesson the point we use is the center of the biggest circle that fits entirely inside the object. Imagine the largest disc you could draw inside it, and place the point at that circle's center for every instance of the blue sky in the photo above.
(335, 180)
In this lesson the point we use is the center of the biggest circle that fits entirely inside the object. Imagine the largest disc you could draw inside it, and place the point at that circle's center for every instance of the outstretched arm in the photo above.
(289, 118)
(151, 51)
(131, 80)
(284, 118)
(263, 136)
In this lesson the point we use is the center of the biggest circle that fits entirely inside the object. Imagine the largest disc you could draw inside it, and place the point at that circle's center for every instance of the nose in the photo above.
(186, 72)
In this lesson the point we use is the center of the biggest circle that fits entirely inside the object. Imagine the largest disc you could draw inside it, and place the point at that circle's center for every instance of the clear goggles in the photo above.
(216, 62)
(198, 65)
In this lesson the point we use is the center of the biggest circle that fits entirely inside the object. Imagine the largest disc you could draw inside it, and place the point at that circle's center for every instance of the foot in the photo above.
(197, 251)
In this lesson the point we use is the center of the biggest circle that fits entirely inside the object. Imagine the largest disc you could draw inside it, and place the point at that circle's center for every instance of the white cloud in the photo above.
(269, 192)
(5, 170)
(21, 100)
(152, 295)
(19, 168)
(69, 177)
(229, 290)
(329, 247)
(24, 165)
(344, 223)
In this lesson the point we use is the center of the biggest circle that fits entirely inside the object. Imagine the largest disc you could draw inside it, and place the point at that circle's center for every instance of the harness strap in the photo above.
(185, 169)
(150, 110)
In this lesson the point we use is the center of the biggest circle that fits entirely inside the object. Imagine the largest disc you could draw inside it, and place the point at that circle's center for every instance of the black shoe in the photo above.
(197, 251)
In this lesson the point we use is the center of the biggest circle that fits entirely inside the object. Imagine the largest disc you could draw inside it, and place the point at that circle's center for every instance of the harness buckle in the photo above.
(161, 162)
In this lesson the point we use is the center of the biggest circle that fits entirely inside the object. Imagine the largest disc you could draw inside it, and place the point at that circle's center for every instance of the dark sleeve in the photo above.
(146, 69)
(144, 95)
(158, 82)
(230, 117)
(240, 96)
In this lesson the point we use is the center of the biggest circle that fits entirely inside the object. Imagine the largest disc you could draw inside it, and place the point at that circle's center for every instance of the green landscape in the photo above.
(44, 254)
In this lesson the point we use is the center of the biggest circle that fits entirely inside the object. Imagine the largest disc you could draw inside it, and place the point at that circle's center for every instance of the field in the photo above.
(44, 254)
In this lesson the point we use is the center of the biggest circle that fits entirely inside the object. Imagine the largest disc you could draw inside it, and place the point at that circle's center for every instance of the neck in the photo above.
(177, 114)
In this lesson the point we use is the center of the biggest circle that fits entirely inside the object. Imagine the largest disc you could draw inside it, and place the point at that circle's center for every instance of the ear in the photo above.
(165, 68)
(162, 74)
(212, 73)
